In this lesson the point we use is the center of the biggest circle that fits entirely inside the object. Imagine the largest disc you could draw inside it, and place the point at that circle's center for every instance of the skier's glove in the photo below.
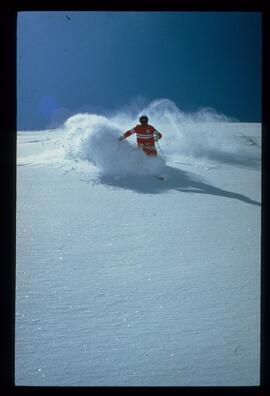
(121, 138)
(157, 137)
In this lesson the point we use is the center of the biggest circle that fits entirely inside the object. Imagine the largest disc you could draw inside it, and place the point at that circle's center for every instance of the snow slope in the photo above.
(122, 279)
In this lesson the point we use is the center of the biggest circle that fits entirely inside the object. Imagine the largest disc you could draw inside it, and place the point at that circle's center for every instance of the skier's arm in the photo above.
(127, 134)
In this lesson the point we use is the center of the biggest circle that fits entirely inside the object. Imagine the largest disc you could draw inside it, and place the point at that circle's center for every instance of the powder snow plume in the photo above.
(90, 139)
(203, 134)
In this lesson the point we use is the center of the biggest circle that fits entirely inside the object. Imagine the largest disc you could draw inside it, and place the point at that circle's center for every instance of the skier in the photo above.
(147, 135)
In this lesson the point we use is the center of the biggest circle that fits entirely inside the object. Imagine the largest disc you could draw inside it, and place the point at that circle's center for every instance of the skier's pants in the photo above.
(150, 151)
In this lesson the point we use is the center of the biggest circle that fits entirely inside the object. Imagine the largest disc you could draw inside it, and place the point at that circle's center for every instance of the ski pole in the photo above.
(119, 143)
(160, 150)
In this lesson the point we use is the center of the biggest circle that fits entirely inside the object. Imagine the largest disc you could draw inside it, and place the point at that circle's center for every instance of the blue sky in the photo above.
(68, 62)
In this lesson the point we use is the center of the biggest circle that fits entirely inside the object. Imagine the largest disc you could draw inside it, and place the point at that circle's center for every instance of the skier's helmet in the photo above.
(143, 119)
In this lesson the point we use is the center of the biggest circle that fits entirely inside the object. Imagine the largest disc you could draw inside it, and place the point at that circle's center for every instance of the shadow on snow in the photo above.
(178, 180)
(239, 159)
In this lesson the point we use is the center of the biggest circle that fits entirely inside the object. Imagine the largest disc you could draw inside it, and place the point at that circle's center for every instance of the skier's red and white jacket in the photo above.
(145, 134)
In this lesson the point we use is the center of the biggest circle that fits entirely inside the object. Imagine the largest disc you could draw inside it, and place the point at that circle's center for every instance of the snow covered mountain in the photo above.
(123, 279)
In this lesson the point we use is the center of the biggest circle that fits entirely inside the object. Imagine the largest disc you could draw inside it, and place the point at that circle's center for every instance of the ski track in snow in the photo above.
(123, 279)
